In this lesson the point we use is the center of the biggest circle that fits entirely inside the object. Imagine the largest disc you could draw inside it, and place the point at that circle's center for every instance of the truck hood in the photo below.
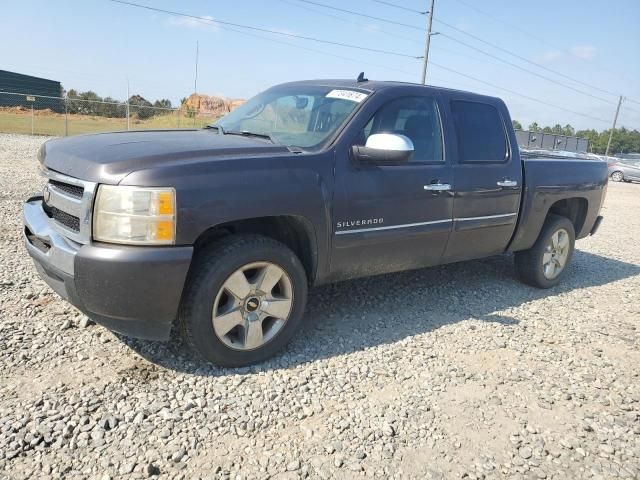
(109, 157)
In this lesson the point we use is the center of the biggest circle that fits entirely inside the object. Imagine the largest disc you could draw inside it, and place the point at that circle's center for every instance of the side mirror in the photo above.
(384, 149)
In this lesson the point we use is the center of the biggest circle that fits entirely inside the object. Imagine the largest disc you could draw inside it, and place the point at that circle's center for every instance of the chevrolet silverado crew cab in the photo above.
(221, 231)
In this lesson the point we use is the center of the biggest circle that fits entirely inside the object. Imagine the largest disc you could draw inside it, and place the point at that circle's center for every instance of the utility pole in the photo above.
(195, 82)
(427, 43)
(128, 126)
(615, 120)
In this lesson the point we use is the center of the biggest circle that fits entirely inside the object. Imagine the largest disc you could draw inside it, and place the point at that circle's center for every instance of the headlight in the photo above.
(135, 215)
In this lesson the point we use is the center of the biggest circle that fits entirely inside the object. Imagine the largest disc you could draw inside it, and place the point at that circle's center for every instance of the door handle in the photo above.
(438, 187)
(507, 183)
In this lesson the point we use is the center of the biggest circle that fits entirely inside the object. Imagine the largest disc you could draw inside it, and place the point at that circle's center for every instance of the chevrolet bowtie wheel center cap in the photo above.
(252, 304)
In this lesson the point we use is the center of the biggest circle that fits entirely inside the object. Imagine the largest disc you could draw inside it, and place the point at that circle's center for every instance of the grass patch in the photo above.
(45, 122)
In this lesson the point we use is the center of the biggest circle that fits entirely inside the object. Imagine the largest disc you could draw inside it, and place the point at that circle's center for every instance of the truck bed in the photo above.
(577, 183)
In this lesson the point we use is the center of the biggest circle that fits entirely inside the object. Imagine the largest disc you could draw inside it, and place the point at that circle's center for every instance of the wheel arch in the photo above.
(294, 231)
(573, 208)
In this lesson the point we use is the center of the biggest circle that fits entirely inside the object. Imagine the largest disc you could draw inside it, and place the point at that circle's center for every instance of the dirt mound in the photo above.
(22, 110)
(211, 104)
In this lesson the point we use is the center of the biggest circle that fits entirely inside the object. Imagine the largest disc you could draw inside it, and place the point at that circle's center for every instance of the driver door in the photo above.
(398, 216)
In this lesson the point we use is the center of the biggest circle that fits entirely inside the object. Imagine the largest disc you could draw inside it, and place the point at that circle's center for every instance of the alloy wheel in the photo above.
(617, 176)
(252, 306)
(556, 254)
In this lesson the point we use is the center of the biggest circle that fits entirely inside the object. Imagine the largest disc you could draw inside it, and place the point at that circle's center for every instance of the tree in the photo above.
(141, 107)
(84, 103)
(164, 103)
(112, 108)
(534, 127)
(568, 130)
(623, 140)
(516, 124)
(557, 129)
(547, 130)
(90, 103)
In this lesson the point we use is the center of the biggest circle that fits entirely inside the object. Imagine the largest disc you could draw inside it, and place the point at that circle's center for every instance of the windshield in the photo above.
(296, 116)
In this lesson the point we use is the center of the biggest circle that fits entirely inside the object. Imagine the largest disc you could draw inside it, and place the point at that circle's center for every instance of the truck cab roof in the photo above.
(386, 85)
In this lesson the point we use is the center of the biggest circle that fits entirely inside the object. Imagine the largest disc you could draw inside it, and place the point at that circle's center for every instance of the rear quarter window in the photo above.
(480, 132)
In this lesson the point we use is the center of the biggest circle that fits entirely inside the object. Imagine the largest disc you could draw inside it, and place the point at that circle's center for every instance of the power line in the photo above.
(259, 29)
(348, 20)
(358, 61)
(628, 109)
(352, 12)
(400, 7)
(514, 65)
(508, 24)
(319, 12)
(520, 57)
(519, 94)
(264, 30)
(514, 26)
(377, 30)
(342, 57)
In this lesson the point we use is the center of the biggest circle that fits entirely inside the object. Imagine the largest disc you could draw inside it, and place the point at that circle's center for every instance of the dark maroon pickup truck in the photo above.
(221, 231)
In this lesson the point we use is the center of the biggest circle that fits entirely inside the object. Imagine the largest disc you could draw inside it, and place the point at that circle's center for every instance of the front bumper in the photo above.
(135, 291)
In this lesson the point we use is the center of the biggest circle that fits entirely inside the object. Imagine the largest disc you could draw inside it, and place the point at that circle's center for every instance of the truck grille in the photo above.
(73, 190)
(68, 202)
(70, 221)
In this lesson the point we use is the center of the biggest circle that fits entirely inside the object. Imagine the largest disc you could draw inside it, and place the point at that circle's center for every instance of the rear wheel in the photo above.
(544, 264)
(617, 176)
(244, 300)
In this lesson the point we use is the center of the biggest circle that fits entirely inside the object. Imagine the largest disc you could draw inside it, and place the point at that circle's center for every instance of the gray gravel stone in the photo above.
(439, 373)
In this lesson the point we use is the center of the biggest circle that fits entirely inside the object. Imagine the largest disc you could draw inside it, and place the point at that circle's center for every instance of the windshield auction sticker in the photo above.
(347, 95)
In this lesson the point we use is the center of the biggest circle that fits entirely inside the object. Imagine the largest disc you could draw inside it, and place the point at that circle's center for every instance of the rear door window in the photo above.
(480, 132)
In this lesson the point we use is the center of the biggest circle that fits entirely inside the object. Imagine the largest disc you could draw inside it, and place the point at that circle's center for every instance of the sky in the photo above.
(100, 45)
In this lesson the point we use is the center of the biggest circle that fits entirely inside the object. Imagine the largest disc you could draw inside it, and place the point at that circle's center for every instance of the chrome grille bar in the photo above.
(78, 207)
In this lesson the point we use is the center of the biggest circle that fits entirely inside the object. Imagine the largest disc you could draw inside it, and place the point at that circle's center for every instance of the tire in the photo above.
(617, 176)
(530, 264)
(215, 294)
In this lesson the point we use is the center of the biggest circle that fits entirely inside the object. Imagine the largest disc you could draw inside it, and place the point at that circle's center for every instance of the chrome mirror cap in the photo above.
(390, 141)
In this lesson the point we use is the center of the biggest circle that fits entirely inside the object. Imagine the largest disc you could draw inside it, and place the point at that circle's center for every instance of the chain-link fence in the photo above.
(62, 116)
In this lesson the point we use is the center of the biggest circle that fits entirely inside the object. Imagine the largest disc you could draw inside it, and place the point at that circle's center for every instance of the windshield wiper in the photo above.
(295, 149)
(216, 127)
(246, 133)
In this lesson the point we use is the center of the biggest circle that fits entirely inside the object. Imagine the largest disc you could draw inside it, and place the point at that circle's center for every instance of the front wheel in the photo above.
(617, 176)
(244, 300)
(544, 264)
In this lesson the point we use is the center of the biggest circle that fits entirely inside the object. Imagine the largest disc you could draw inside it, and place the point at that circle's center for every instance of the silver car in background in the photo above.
(624, 170)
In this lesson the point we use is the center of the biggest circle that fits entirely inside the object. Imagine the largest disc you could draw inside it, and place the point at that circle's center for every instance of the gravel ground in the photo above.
(452, 372)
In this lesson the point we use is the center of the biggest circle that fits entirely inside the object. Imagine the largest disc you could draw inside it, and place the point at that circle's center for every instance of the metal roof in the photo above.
(27, 84)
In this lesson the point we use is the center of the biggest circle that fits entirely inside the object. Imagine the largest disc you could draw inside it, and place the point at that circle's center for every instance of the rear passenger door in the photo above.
(487, 176)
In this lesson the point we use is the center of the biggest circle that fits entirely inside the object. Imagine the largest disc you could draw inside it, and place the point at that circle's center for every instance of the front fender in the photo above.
(213, 193)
